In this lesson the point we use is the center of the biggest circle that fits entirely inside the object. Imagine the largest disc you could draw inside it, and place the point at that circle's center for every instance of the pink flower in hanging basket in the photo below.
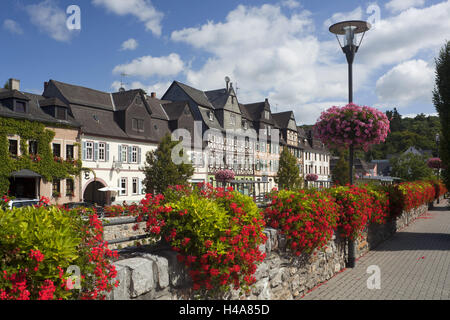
(352, 125)
(224, 175)
(312, 177)
(434, 163)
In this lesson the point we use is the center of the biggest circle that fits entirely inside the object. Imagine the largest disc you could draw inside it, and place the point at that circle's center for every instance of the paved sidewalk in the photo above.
(414, 265)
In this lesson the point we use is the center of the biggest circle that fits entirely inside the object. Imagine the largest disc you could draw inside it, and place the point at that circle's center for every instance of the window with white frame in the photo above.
(134, 154)
(135, 186)
(124, 154)
(102, 151)
(89, 151)
(123, 186)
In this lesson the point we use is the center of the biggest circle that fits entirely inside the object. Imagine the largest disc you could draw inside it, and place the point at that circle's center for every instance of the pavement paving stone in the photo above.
(414, 265)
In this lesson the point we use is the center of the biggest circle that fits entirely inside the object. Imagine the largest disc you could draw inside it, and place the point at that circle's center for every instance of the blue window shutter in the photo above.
(84, 150)
(119, 158)
(107, 152)
(130, 152)
(140, 186)
(139, 155)
(95, 151)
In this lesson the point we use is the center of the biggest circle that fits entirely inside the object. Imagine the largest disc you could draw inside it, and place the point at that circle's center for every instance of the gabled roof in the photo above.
(156, 108)
(282, 118)
(97, 121)
(175, 109)
(34, 111)
(301, 132)
(197, 95)
(5, 94)
(84, 96)
(256, 111)
(52, 102)
(123, 99)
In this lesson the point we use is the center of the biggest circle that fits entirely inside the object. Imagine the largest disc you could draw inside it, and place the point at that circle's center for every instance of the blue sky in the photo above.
(281, 50)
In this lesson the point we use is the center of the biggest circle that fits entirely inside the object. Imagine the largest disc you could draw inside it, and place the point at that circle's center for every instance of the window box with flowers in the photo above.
(56, 194)
(35, 157)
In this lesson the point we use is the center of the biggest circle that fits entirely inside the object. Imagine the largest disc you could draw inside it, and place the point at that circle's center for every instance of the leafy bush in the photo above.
(216, 232)
(38, 244)
(307, 218)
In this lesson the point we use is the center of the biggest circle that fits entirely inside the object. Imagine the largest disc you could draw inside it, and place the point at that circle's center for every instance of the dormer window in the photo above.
(266, 115)
(60, 113)
(138, 125)
(210, 116)
(245, 124)
(20, 106)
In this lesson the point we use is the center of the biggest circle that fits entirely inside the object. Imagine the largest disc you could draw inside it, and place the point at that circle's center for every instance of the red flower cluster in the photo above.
(358, 207)
(223, 254)
(307, 218)
(97, 283)
(416, 194)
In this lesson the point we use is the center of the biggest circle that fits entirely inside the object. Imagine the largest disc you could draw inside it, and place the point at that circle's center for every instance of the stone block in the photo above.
(122, 292)
(141, 275)
(178, 276)
(262, 271)
(160, 270)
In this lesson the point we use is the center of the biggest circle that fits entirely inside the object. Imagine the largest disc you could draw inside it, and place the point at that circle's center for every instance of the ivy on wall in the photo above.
(42, 163)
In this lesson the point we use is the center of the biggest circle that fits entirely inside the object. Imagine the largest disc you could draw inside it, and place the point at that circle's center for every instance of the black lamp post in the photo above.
(348, 31)
(439, 168)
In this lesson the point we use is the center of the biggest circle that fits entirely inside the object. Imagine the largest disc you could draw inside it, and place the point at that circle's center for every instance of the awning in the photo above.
(25, 173)
(116, 189)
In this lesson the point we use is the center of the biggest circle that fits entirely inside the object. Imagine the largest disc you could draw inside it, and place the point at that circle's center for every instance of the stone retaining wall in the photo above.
(153, 273)
(121, 231)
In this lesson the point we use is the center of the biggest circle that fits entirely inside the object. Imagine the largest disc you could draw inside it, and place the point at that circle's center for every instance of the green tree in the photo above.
(410, 167)
(161, 171)
(441, 100)
(6, 85)
(288, 175)
(339, 174)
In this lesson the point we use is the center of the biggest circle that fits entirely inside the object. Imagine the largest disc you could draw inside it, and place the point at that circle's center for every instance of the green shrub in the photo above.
(37, 246)
(217, 233)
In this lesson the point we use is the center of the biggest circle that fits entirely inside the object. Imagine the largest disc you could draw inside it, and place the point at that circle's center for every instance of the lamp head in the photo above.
(348, 31)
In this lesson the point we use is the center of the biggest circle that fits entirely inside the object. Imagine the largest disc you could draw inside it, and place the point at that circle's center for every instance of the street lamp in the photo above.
(350, 35)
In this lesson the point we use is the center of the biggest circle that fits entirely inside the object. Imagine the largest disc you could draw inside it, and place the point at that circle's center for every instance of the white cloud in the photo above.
(344, 16)
(269, 54)
(396, 6)
(159, 88)
(291, 4)
(400, 38)
(130, 44)
(12, 26)
(408, 82)
(148, 66)
(309, 113)
(141, 9)
(51, 19)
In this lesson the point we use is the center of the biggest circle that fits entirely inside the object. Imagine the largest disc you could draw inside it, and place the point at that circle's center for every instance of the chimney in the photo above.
(14, 84)
(153, 95)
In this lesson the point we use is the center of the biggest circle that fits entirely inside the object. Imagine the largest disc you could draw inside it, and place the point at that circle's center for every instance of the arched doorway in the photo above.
(92, 195)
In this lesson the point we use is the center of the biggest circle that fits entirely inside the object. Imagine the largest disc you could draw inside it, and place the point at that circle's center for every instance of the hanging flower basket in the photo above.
(434, 163)
(352, 125)
(224, 175)
(311, 177)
